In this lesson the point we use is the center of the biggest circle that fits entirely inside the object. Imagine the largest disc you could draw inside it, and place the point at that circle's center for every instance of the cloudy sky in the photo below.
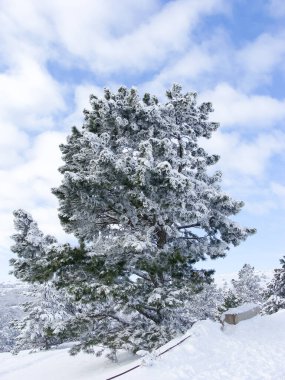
(55, 53)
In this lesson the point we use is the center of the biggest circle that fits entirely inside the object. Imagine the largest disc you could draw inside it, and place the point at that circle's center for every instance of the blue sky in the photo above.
(54, 54)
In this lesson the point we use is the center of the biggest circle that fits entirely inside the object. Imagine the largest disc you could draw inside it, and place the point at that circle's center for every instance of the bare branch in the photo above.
(189, 226)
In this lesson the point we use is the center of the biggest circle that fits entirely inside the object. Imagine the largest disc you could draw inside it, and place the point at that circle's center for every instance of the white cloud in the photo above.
(25, 31)
(271, 198)
(145, 45)
(13, 141)
(234, 108)
(240, 156)
(261, 207)
(81, 101)
(245, 164)
(260, 57)
(188, 69)
(28, 185)
(29, 95)
(277, 8)
(107, 36)
(278, 190)
(43, 158)
(217, 61)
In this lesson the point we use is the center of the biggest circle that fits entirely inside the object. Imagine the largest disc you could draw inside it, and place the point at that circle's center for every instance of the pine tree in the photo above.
(7, 332)
(247, 288)
(137, 195)
(12, 297)
(45, 320)
(275, 292)
(206, 304)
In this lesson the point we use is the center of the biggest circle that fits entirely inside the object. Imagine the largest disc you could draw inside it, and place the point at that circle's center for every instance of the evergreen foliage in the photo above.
(275, 292)
(33, 249)
(44, 323)
(137, 195)
(7, 332)
(230, 300)
(206, 304)
(247, 288)
(12, 297)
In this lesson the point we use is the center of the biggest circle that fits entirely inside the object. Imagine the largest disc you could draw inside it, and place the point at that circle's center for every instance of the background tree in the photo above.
(230, 299)
(275, 292)
(137, 195)
(12, 297)
(44, 323)
(206, 304)
(248, 288)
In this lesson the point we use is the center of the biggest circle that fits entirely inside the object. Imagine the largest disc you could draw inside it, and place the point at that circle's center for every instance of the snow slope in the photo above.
(252, 350)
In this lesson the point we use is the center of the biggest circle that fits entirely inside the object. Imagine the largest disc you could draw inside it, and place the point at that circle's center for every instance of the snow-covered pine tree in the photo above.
(34, 250)
(247, 288)
(205, 304)
(275, 292)
(7, 332)
(12, 296)
(137, 195)
(230, 299)
(46, 316)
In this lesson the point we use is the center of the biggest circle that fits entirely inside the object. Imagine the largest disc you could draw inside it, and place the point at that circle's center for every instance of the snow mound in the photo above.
(251, 350)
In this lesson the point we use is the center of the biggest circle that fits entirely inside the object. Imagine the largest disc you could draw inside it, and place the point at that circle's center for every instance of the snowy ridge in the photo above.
(252, 350)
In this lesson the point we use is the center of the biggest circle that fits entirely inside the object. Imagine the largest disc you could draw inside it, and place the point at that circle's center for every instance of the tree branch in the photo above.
(147, 315)
(189, 226)
(142, 275)
(107, 315)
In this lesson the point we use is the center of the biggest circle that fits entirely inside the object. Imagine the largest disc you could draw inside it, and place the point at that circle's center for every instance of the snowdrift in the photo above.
(251, 350)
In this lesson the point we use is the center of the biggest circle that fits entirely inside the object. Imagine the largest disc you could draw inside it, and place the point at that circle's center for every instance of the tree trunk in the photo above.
(161, 237)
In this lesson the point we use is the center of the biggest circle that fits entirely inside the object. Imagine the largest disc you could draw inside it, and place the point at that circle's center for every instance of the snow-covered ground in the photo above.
(251, 350)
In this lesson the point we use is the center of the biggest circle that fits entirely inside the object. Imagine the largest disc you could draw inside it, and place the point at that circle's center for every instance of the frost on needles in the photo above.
(275, 293)
(137, 195)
